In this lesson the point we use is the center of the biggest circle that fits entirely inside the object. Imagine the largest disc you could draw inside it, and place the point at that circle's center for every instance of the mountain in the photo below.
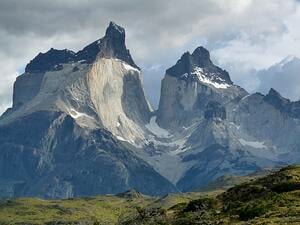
(98, 86)
(280, 76)
(190, 85)
(62, 136)
(224, 129)
(80, 125)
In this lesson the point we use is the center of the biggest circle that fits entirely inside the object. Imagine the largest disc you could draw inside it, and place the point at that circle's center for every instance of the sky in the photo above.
(243, 36)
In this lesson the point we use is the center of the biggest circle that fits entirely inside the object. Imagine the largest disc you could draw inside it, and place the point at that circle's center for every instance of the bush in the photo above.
(200, 204)
(286, 187)
(252, 210)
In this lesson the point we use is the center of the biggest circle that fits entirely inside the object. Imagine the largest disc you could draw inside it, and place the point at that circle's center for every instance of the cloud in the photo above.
(242, 34)
(248, 52)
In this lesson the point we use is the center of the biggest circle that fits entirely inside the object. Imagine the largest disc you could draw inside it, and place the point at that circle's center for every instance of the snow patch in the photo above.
(253, 144)
(123, 139)
(246, 96)
(155, 129)
(130, 68)
(75, 114)
(202, 77)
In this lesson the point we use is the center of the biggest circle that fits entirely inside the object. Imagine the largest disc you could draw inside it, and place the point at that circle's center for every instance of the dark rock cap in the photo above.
(46, 61)
(199, 58)
(115, 31)
(112, 45)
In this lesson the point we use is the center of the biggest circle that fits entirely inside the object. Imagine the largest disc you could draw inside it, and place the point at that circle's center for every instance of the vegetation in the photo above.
(273, 199)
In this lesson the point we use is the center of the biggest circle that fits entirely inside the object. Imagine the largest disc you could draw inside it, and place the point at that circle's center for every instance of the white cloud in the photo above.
(247, 52)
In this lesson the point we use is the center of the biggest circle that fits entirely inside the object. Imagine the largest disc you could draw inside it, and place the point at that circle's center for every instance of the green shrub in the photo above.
(200, 204)
(286, 187)
(252, 210)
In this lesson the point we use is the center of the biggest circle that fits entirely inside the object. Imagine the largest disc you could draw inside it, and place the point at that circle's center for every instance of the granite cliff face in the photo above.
(80, 124)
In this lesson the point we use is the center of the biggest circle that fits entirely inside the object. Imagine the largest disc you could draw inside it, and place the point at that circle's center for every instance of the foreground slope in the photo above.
(273, 199)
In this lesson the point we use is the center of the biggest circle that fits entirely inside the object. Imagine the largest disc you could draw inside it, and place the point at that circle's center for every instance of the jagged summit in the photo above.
(284, 105)
(198, 65)
(114, 30)
(275, 99)
(112, 45)
(201, 57)
(274, 93)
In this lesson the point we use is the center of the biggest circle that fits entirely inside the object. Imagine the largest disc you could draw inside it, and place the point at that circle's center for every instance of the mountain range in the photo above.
(81, 125)
(278, 76)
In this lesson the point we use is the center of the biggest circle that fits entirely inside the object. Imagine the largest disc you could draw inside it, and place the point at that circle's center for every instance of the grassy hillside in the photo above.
(273, 199)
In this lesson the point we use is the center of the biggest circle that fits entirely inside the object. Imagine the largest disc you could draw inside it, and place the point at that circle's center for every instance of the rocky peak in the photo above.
(275, 94)
(113, 44)
(201, 57)
(198, 66)
(284, 105)
(274, 98)
(183, 65)
(114, 31)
